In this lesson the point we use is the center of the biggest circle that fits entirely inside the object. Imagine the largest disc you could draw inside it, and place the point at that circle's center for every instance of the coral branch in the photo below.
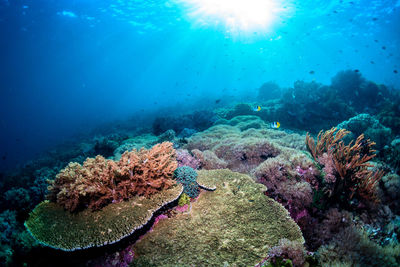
(351, 163)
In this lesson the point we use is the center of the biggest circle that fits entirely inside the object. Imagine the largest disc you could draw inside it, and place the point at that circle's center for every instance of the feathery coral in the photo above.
(350, 162)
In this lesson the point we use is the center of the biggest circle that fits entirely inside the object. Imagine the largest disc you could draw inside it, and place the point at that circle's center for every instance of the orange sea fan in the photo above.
(351, 162)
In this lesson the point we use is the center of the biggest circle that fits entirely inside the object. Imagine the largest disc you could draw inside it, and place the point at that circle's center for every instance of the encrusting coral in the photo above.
(347, 166)
(99, 181)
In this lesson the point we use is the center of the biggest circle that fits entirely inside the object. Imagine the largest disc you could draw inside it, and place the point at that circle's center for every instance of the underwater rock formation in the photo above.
(55, 227)
(370, 127)
(235, 225)
(269, 90)
(198, 121)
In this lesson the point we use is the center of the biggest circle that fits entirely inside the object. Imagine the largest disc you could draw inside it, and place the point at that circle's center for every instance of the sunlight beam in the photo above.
(235, 15)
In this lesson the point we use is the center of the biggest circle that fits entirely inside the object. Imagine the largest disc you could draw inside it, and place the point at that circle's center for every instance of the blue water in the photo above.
(68, 66)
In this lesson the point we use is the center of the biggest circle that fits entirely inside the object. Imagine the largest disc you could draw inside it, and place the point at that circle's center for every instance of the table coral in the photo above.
(235, 225)
(55, 227)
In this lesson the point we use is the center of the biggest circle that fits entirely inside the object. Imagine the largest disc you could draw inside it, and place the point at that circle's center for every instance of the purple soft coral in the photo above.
(184, 158)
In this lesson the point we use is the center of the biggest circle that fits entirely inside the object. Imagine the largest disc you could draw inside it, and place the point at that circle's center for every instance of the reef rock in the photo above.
(370, 126)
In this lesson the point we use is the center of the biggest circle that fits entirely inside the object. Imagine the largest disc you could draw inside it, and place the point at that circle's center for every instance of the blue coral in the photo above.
(187, 177)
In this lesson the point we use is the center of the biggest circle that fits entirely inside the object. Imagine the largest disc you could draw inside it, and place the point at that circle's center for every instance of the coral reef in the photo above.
(243, 147)
(198, 121)
(15, 242)
(269, 90)
(312, 106)
(213, 233)
(267, 155)
(359, 93)
(137, 142)
(369, 126)
(99, 182)
(391, 155)
(389, 115)
(352, 247)
(168, 135)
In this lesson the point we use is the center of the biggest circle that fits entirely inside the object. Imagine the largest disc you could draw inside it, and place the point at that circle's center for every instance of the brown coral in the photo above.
(351, 163)
(99, 181)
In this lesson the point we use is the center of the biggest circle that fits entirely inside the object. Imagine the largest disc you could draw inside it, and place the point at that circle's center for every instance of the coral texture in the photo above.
(185, 159)
(187, 177)
(235, 225)
(286, 249)
(353, 247)
(369, 126)
(99, 182)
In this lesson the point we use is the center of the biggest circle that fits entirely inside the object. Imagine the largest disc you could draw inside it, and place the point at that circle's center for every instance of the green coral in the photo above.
(222, 228)
(279, 262)
(183, 200)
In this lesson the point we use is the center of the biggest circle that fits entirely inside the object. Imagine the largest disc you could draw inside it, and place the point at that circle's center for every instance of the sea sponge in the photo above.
(214, 232)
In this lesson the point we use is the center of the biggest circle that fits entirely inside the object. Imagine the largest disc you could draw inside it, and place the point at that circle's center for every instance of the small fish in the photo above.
(384, 47)
(275, 125)
(312, 72)
(372, 62)
(4, 157)
(217, 101)
(395, 71)
(257, 108)
(356, 70)
(374, 19)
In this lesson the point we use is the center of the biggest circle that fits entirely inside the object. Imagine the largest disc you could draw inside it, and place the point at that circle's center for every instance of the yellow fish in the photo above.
(275, 125)
(257, 108)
